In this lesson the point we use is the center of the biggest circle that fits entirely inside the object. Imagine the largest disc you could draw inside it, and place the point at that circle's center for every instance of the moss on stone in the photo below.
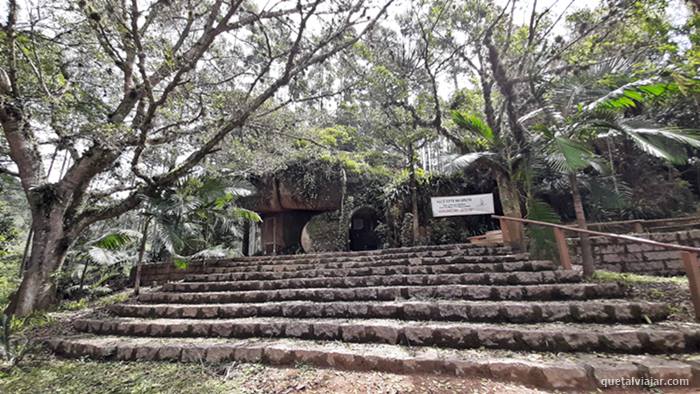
(323, 232)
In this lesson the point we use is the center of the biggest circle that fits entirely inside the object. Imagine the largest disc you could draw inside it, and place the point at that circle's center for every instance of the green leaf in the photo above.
(247, 215)
(666, 143)
(628, 95)
(473, 124)
(117, 239)
(180, 264)
(576, 155)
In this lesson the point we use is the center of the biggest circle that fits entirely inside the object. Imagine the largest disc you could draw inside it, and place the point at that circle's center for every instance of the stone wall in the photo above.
(626, 256)
(159, 273)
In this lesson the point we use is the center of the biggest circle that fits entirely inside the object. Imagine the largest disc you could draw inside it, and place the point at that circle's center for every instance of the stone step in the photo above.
(558, 372)
(162, 272)
(362, 261)
(551, 292)
(541, 337)
(499, 278)
(375, 270)
(371, 263)
(436, 250)
(598, 311)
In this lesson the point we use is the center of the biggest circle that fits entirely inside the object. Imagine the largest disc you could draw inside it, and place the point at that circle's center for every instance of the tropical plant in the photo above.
(564, 136)
(492, 151)
(108, 255)
(196, 216)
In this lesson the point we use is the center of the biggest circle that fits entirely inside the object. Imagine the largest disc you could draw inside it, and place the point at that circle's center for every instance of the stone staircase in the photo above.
(454, 309)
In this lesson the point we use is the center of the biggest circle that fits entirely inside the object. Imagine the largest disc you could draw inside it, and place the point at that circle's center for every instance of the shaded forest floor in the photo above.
(44, 373)
(672, 290)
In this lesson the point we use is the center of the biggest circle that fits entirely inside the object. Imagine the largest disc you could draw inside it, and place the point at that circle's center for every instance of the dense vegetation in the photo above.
(132, 131)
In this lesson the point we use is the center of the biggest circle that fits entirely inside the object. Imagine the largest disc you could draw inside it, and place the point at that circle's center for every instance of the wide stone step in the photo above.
(599, 311)
(370, 263)
(559, 372)
(364, 261)
(542, 337)
(378, 270)
(510, 278)
(426, 250)
(551, 292)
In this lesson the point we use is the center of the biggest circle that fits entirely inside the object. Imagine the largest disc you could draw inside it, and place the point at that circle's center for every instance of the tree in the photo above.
(115, 84)
(108, 250)
(569, 128)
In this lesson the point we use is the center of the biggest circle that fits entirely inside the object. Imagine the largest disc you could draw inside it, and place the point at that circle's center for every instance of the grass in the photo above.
(81, 376)
(89, 302)
(632, 279)
(9, 276)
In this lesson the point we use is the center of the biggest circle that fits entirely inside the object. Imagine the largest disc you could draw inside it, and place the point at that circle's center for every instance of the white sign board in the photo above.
(475, 204)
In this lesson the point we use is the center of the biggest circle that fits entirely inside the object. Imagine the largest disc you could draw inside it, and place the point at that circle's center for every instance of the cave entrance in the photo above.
(363, 223)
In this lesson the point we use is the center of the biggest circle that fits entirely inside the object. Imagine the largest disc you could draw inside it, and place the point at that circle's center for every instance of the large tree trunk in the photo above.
(510, 202)
(139, 262)
(585, 241)
(415, 225)
(48, 251)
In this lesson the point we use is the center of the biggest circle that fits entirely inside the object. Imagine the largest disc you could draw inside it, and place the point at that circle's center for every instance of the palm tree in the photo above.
(562, 133)
(567, 128)
(114, 248)
(193, 219)
(493, 151)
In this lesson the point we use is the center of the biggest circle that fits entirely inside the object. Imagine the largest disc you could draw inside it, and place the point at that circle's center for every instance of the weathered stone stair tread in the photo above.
(598, 311)
(363, 261)
(211, 268)
(403, 269)
(553, 337)
(499, 278)
(542, 370)
(559, 291)
(463, 249)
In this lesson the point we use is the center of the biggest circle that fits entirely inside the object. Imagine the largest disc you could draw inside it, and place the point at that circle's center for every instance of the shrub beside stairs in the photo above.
(453, 309)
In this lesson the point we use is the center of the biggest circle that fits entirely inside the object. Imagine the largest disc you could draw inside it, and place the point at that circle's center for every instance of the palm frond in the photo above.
(549, 111)
(473, 159)
(473, 124)
(628, 95)
(116, 239)
(106, 257)
(567, 155)
(665, 143)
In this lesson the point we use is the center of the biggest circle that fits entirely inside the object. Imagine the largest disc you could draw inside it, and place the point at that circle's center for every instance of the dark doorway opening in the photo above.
(363, 223)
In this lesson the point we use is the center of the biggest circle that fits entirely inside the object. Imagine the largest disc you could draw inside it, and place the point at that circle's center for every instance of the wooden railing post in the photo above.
(504, 230)
(562, 248)
(637, 227)
(692, 269)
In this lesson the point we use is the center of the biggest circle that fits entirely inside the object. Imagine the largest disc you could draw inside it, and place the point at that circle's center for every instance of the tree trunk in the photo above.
(510, 202)
(86, 263)
(48, 251)
(139, 262)
(25, 254)
(586, 251)
(414, 196)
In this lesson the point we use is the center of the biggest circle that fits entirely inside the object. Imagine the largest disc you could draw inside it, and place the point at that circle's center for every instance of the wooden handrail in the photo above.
(681, 219)
(689, 254)
(639, 225)
(602, 234)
